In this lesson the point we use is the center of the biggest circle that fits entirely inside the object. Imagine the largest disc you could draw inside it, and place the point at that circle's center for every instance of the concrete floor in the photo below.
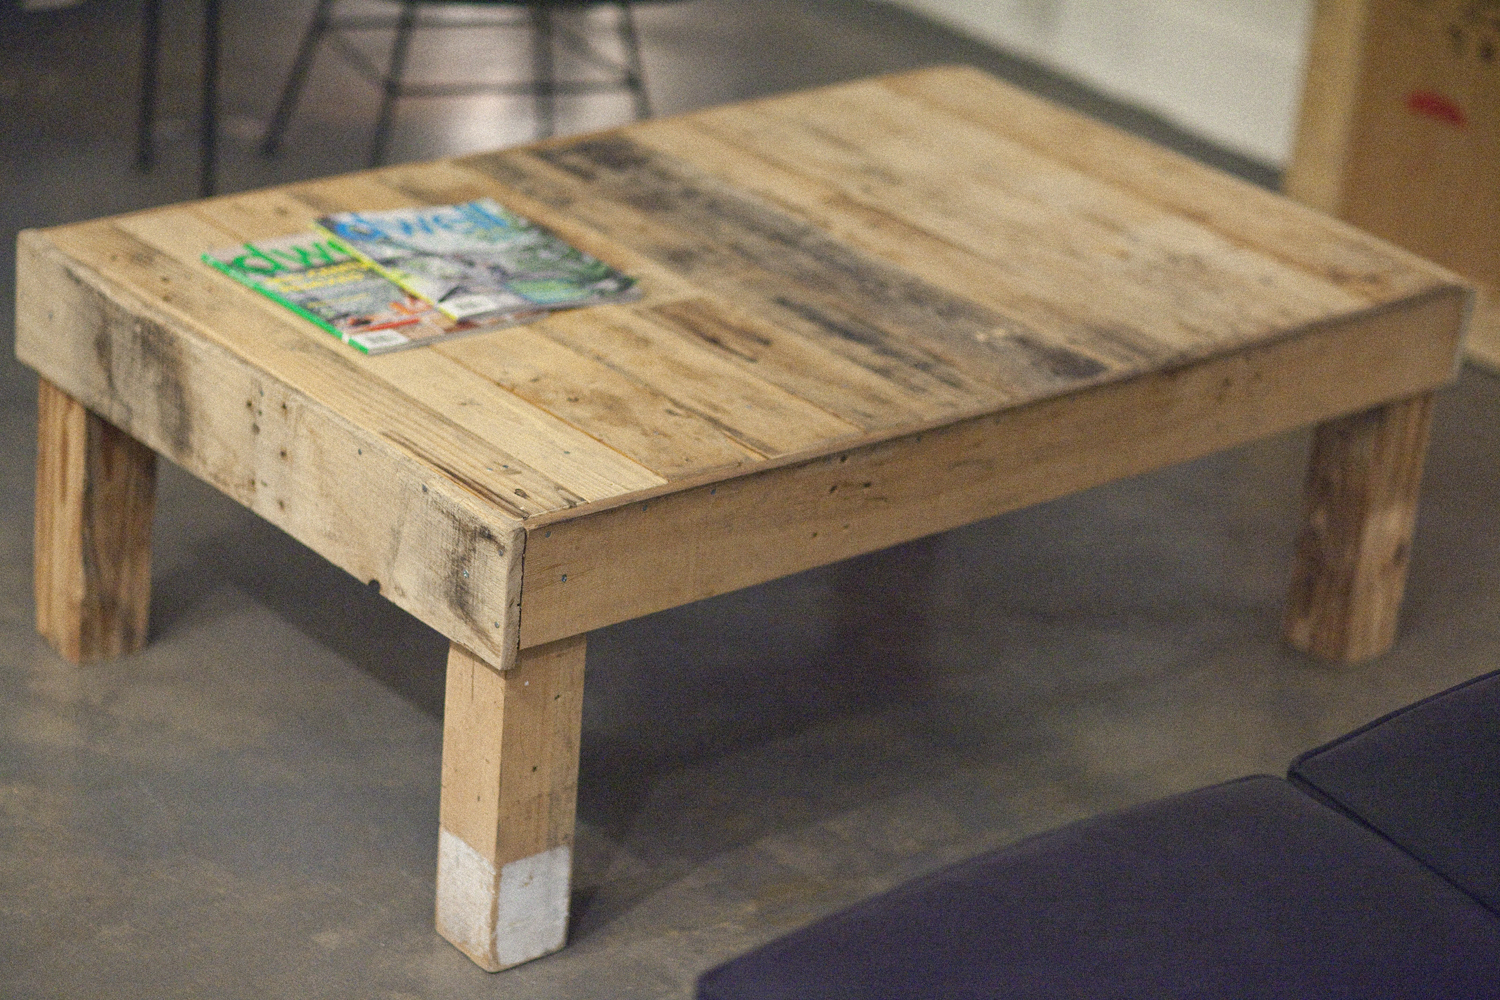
(249, 806)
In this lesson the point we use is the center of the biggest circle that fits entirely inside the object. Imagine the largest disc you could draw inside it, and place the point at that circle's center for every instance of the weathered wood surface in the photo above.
(510, 788)
(381, 500)
(827, 276)
(1355, 546)
(95, 495)
(1400, 134)
(674, 547)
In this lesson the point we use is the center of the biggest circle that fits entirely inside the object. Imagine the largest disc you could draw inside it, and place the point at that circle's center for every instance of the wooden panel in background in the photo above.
(1400, 134)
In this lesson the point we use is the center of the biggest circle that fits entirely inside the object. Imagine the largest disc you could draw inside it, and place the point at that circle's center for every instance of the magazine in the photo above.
(320, 280)
(478, 260)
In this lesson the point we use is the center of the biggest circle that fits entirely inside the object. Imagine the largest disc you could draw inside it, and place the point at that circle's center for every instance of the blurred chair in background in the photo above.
(547, 36)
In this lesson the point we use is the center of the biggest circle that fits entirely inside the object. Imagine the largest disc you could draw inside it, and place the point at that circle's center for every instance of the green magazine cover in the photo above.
(317, 278)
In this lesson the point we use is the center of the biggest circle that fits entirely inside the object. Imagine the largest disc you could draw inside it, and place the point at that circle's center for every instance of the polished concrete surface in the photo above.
(248, 808)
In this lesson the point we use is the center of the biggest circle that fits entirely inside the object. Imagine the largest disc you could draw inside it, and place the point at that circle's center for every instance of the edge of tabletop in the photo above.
(1454, 288)
(439, 550)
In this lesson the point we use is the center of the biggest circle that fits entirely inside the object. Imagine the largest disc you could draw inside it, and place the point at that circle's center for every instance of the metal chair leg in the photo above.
(542, 71)
(208, 128)
(635, 76)
(293, 89)
(392, 82)
(150, 54)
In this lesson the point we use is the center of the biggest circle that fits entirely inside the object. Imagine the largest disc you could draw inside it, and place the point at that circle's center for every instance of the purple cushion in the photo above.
(1248, 889)
(1427, 777)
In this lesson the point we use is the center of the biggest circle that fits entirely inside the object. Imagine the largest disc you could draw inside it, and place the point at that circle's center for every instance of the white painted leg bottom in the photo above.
(503, 918)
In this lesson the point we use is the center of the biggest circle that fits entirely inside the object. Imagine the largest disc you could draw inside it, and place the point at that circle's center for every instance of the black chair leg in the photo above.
(635, 76)
(208, 129)
(542, 71)
(150, 54)
(392, 82)
(293, 89)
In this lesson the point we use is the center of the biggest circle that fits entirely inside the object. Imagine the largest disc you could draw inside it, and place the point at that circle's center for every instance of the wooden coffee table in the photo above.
(872, 312)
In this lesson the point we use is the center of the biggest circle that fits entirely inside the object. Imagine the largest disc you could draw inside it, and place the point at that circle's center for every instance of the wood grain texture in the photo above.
(95, 496)
(1342, 255)
(386, 512)
(609, 563)
(1400, 134)
(510, 750)
(1355, 545)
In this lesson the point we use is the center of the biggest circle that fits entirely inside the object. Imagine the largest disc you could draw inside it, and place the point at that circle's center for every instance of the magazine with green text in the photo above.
(317, 277)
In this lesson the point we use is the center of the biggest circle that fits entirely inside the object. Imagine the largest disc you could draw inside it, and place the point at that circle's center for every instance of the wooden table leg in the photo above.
(95, 494)
(1359, 512)
(510, 787)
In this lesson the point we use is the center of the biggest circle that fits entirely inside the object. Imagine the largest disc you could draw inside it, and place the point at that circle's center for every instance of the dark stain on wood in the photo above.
(1065, 364)
(467, 482)
(119, 499)
(869, 311)
(699, 318)
(828, 319)
(463, 561)
(161, 357)
(130, 352)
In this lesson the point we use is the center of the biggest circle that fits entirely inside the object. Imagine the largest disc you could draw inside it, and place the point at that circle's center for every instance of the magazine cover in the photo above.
(478, 259)
(320, 280)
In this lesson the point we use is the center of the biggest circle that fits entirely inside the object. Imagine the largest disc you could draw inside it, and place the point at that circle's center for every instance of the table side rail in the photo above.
(592, 567)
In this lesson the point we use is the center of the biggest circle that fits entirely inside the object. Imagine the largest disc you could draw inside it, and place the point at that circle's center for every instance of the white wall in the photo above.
(1227, 70)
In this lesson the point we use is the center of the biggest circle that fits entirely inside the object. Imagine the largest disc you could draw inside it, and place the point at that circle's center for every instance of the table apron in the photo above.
(590, 568)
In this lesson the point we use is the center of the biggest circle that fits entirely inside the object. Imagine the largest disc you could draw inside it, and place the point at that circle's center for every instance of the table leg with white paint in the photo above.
(510, 787)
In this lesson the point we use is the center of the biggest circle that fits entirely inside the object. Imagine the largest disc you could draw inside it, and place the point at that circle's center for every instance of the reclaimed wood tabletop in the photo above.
(871, 312)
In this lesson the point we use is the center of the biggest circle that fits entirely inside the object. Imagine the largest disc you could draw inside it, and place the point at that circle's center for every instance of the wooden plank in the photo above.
(599, 565)
(1363, 479)
(1330, 90)
(624, 414)
(1094, 252)
(576, 460)
(95, 495)
(1004, 272)
(559, 432)
(725, 238)
(371, 506)
(1241, 211)
(849, 391)
(756, 414)
(1400, 135)
(510, 788)
(746, 251)
(772, 352)
(197, 299)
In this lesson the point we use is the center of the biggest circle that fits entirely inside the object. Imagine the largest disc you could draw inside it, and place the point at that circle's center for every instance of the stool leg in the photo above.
(150, 53)
(635, 74)
(1359, 513)
(392, 82)
(208, 127)
(510, 787)
(298, 76)
(95, 494)
(542, 75)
